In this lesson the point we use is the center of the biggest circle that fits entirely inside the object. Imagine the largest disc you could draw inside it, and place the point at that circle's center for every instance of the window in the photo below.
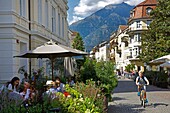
(59, 29)
(137, 37)
(130, 52)
(39, 11)
(53, 20)
(136, 51)
(131, 13)
(138, 25)
(148, 22)
(148, 10)
(130, 40)
(63, 26)
(126, 44)
(22, 8)
(46, 12)
(140, 50)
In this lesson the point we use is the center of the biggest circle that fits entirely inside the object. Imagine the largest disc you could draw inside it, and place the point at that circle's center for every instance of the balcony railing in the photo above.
(130, 29)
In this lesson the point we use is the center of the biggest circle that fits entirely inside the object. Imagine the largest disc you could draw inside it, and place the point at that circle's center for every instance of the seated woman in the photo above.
(26, 93)
(12, 86)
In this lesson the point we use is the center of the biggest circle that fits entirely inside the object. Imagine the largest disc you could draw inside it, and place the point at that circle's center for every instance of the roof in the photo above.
(123, 27)
(139, 11)
(74, 33)
(147, 2)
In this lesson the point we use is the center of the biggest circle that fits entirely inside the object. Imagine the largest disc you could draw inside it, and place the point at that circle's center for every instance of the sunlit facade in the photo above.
(26, 24)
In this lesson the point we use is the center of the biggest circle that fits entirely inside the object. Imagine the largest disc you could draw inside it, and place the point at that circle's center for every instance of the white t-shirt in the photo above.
(10, 87)
(141, 81)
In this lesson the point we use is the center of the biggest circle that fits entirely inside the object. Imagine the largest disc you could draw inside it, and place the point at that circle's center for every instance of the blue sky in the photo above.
(79, 9)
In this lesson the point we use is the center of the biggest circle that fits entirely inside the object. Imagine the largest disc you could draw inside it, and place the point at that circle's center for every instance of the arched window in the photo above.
(148, 10)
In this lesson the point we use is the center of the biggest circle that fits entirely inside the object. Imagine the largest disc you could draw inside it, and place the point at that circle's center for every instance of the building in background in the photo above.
(72, 35)
(101, 52)
(119, 50)
(138, 22)
(26, 24)
(125, 43)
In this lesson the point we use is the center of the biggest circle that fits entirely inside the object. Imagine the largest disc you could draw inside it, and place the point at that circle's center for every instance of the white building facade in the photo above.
(126, 41)
(26, 24)
(101, 52)
(138, 23)
(119, 49)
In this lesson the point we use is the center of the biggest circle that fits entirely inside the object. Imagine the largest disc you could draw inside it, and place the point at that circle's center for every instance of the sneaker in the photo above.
(138, 94)
(146, 101)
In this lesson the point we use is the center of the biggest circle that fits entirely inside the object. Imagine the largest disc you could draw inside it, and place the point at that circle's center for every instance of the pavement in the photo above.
(125, 99)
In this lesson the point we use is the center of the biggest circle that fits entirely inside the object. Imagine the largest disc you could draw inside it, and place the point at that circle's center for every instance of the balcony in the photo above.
(113, 44)
(129, 57)
(118, 50)
(136, 43)
(125, 38)
(132, 44)
(141, 28)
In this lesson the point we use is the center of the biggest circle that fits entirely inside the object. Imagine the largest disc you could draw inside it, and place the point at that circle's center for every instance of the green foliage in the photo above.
(106, 76)
(157, 38)
(77, 103)
(88, 71)
(162, 77)
(102, 73)
(151, 76)
(78, 42)
(129, 67)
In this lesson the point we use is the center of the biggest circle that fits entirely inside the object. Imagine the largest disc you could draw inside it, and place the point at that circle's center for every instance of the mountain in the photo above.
(98, 27)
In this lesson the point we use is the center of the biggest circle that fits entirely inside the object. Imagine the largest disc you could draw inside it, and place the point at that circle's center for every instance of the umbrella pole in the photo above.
(52, 68)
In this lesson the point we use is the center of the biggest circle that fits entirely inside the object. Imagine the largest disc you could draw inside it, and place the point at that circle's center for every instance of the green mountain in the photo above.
(100, 25)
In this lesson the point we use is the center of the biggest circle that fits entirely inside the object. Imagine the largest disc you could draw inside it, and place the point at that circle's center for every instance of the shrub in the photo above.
(102, 73)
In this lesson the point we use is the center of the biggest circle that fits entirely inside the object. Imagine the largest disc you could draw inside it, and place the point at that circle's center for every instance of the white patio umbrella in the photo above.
(160, 60)
(52, 50)
(166, 64)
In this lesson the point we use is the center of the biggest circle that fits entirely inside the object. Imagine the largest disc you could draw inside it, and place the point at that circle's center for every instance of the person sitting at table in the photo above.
(12, 86)
(59, 85)
(26, 92)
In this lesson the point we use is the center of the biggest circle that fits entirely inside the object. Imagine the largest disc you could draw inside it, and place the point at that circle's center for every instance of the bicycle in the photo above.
(142, 95)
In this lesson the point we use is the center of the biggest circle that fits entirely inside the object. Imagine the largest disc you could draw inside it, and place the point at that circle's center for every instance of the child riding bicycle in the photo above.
(141, 82)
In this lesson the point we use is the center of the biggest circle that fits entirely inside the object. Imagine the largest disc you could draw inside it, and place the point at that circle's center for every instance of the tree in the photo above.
(130, 67)
(156, 40)
(78, 42)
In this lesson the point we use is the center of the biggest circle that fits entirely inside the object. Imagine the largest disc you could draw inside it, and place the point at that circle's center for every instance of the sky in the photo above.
(79, 9)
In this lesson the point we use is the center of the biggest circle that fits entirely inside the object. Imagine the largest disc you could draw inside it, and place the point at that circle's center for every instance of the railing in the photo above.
(135, 28)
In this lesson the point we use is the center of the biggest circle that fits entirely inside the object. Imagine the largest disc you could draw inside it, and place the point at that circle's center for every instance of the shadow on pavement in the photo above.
(118, 98)
(130, 86)
(125, 108)
(159, 104)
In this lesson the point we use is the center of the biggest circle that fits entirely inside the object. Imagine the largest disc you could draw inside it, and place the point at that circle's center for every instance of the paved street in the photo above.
(125, 99)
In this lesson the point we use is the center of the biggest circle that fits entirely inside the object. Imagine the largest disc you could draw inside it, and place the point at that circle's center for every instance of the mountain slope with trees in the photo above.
(98, 27)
